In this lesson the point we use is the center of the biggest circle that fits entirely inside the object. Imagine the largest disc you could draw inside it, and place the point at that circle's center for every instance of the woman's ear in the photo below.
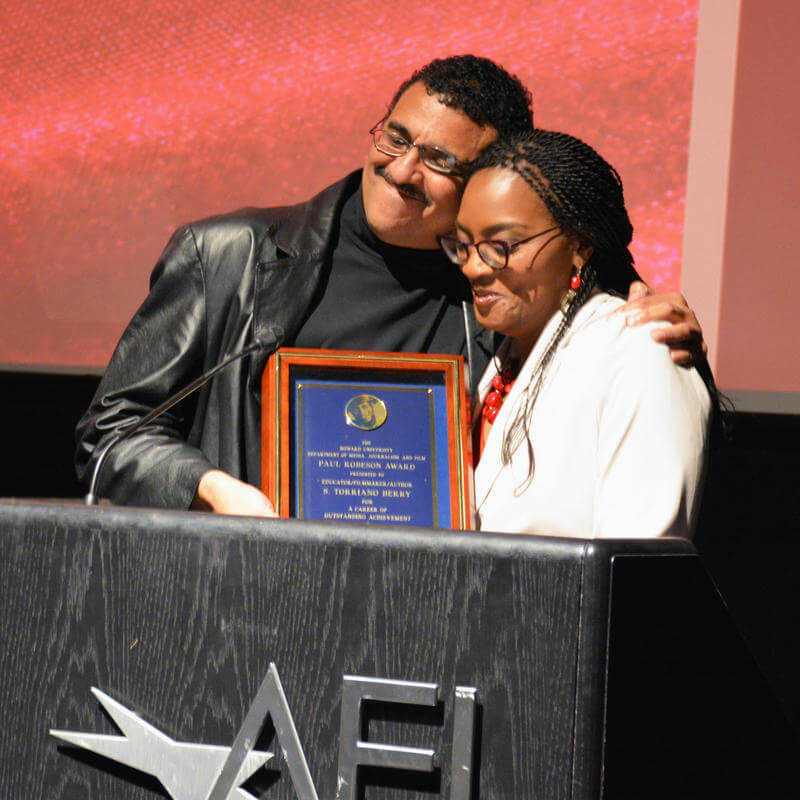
(581, 255)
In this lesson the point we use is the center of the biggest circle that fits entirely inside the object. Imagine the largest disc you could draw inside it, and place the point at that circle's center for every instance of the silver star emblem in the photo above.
(187, 771)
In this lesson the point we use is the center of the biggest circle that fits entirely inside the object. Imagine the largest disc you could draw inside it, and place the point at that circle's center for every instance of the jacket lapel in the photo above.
(291, 263)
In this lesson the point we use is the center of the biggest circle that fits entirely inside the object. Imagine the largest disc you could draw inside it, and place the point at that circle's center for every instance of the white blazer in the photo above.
(619, 437)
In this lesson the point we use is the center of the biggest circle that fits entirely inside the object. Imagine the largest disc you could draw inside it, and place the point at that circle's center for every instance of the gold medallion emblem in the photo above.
(365, 411)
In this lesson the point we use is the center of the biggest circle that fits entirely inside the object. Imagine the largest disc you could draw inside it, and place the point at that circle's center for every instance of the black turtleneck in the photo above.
(380, 297)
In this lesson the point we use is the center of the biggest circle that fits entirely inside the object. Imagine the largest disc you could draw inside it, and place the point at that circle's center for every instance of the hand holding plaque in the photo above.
(366, 437)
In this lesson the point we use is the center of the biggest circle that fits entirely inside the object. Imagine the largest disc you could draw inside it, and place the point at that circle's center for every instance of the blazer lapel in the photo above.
(490, 467)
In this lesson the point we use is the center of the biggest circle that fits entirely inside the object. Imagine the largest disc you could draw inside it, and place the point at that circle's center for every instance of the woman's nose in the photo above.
(474, 266)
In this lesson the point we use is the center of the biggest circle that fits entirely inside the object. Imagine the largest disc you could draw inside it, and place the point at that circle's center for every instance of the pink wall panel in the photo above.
(742, 199)
(761, 282)
(121, 121)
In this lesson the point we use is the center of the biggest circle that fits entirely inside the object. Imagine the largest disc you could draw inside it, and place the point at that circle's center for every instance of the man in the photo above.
(357, 267)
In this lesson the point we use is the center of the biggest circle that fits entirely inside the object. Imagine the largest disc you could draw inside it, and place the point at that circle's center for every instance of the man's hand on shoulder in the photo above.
(224, 494)
(684, 336)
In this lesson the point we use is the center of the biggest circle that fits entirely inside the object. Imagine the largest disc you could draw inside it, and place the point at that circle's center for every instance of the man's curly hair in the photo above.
(483, 90)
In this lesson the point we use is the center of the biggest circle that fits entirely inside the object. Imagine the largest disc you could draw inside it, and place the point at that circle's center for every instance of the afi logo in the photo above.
(207, 772)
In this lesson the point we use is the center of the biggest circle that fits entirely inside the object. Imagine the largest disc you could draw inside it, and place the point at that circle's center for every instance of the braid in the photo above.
(583, 194)
(519, 431)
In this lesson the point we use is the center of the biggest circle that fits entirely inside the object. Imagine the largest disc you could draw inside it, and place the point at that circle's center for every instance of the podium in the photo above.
(415, 663)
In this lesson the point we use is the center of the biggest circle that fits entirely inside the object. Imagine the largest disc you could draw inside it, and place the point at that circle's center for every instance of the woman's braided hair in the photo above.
(583, 194)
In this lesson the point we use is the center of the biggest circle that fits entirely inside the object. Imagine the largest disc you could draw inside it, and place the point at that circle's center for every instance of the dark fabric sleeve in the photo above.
(162, 350)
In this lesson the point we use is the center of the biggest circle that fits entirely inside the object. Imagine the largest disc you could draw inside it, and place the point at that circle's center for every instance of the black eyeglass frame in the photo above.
(449, 242)
(453, 166)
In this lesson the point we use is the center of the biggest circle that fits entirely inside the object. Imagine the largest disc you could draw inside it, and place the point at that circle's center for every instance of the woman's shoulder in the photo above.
(597, 325)
(604, 338)
(626, 358)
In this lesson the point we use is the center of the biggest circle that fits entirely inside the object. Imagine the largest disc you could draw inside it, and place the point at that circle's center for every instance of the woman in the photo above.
(584, 426)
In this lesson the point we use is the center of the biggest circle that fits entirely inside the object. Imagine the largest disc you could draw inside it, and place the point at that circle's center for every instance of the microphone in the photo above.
(269, 345)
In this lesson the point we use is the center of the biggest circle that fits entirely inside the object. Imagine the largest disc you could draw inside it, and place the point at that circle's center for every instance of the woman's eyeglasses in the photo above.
(493, 252)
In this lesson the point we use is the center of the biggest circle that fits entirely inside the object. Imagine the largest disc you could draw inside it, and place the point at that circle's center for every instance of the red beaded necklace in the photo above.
(502, 383)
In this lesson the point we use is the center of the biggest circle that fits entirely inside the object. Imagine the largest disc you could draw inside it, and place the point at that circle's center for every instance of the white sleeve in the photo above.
(652, 432)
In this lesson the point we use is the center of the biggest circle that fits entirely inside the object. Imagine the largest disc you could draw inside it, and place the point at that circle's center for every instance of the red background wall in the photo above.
(121, 121)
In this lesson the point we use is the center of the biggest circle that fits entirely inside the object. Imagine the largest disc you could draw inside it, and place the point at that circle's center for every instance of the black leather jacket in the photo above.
(219, 284)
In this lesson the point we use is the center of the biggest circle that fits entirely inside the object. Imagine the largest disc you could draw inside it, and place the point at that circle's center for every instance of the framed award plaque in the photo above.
(366, 437)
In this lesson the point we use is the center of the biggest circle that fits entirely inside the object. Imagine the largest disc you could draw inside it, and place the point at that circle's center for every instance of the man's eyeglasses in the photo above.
(493, 252)
(393, 143)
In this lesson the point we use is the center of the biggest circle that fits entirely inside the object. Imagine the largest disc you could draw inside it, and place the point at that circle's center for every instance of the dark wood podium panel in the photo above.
(177, 616)
(688, 714)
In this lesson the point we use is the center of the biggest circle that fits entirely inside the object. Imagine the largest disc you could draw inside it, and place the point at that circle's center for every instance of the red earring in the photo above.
(569, 295)
(574, 284)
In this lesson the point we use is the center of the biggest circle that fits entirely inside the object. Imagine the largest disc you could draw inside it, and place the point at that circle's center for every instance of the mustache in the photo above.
(404, 188)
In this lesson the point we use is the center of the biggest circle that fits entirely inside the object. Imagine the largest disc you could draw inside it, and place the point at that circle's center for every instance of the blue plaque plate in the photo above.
(366, 472)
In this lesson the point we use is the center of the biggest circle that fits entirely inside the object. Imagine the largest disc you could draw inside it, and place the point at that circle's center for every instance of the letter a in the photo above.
(269, 700)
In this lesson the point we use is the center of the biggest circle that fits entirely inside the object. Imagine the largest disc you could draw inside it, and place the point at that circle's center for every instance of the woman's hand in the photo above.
(224, 494)
(684, 337)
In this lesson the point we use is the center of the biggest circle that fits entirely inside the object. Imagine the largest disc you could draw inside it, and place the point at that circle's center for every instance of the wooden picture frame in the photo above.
(369, 437)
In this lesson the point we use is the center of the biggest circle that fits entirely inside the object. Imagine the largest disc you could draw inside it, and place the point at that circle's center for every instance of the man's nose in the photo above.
(407, 168)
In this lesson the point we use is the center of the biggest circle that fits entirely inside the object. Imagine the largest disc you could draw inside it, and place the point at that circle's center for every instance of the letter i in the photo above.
(461, 765)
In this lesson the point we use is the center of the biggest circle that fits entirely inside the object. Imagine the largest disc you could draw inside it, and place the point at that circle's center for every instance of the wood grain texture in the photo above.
(178, 615)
